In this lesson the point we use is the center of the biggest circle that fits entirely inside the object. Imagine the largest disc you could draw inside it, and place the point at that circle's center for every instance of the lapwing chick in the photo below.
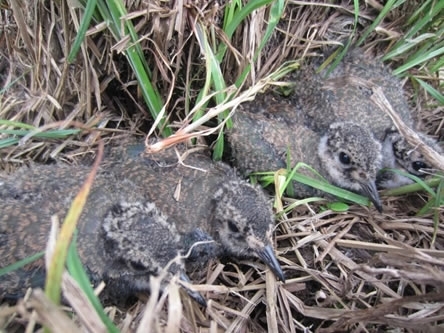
(123, 239)
(346, 154)
(211, 201)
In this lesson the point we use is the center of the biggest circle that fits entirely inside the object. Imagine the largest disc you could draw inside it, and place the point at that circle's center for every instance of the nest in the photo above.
(357, 270)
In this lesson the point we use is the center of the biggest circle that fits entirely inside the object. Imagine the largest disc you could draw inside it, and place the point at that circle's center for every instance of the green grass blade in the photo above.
(438, 202)
(417, 180)
(137, 61)
(213, 65)
(419, 13)
(331, 189)
(432, 91)
(437, 65)
(344, 50)
(290, 190)
(276, 11)
(16, 124)
(419, 185)
(427, 13)
(413, 42)
(388, 6)
(51, 134)
(57, 264)
(215, 76)
(297, 203)
(230, 10)
(111, 12)
(76, 270)
(8, 142)
(86, 21)
(322, 185)
(424, 24)
(31, 131)
(21, 263)
(419, 60)
(236, 20)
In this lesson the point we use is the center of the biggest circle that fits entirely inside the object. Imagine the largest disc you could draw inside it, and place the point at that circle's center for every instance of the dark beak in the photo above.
(266, 254)
(193, 294)
(370, 191)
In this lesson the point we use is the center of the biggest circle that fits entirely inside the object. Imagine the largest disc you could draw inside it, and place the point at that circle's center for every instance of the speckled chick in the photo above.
(345, 96)
(404, 157)
(122, 239)
(211, 201)
(346, 154)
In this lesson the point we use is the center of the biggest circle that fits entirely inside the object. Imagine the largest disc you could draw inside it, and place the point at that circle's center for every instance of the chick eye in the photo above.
(137, 266)
(232, 226)
(344, 158)
(419, 165)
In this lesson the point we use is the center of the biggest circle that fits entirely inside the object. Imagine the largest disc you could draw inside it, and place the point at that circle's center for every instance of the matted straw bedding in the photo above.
(357, 271)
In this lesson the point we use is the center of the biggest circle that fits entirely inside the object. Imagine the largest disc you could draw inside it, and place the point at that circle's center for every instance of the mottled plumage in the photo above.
(122, 239)
(210, 201)
(399, 154)
(345, 95)
(266, 127)
(345, 154)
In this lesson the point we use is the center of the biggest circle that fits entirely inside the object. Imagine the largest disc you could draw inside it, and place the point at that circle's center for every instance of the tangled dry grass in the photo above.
(357, 271)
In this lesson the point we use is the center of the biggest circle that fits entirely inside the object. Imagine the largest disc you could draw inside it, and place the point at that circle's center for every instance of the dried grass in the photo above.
(358, 271)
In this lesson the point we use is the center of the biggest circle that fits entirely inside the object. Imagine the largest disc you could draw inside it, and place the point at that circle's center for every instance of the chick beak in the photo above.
(369, 190)
(266, 254)
(193, 294)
